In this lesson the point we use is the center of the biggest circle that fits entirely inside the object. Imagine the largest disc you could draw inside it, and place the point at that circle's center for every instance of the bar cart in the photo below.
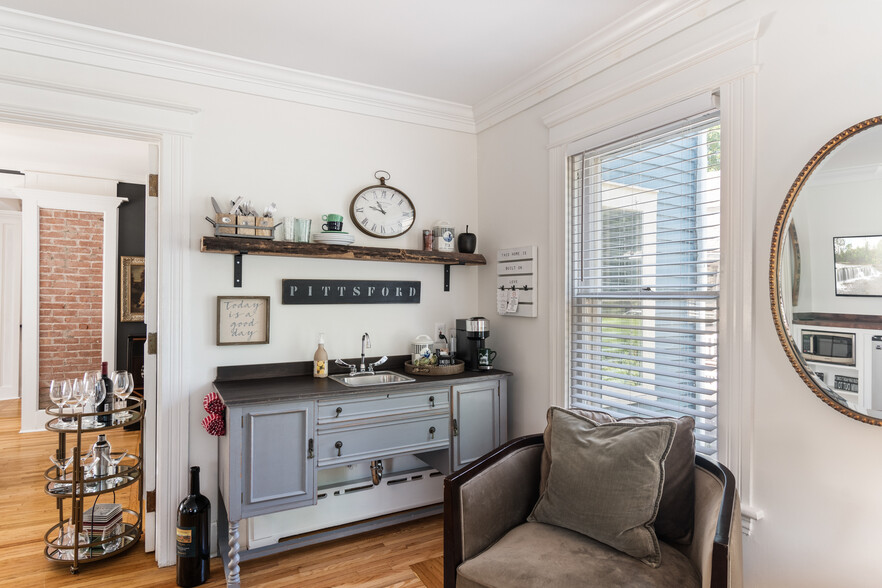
(92, 530)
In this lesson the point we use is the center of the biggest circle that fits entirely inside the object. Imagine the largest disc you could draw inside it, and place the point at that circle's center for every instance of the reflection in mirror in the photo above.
(826, 272)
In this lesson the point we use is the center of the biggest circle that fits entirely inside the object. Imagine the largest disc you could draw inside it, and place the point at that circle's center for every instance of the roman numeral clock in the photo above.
(381, 210)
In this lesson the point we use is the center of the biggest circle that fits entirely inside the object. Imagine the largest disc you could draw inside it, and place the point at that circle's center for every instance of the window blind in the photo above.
(645, 251)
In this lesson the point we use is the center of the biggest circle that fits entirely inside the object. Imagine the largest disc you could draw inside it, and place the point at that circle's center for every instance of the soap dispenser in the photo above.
(320, 359)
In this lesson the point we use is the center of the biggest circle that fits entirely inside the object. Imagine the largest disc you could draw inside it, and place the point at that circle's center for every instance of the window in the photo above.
(645, 252)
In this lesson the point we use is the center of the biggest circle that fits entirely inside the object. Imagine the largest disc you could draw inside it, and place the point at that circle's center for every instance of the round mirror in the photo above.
(826, 272)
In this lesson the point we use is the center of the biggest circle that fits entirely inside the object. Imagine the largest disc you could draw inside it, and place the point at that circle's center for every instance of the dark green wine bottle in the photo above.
(193, 535)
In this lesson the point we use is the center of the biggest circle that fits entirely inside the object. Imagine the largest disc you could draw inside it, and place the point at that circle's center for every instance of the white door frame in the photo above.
(10, 302)
(170, 126)
(32, 417)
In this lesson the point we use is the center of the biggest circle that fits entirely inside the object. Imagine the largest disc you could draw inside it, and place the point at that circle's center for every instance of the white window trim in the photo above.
(727, 69)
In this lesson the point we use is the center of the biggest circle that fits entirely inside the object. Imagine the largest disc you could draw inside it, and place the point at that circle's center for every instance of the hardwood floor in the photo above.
(405, 556)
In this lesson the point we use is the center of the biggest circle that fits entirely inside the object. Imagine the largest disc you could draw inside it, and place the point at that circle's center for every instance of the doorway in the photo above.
(63, 176)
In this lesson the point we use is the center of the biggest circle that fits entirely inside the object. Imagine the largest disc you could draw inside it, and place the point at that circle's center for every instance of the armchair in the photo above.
(488, 541)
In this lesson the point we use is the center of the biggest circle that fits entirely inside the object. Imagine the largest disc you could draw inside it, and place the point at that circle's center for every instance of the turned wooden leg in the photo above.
(233, 566)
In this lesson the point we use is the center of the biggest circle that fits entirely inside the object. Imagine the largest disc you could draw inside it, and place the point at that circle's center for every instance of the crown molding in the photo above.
(47, 37)
(640, 29)
(725, 46)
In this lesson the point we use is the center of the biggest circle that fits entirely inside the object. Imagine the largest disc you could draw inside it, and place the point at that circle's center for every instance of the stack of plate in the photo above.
(333, 238)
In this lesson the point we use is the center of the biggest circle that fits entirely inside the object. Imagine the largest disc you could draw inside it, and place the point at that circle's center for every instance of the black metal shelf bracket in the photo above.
(237, 269)
(447, 275)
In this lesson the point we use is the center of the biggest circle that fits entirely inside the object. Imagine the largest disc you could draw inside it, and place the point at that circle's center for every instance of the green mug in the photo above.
(332, 218)
(486, 357)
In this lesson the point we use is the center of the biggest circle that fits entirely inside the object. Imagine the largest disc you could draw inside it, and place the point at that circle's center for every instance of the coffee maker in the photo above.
(470, 336)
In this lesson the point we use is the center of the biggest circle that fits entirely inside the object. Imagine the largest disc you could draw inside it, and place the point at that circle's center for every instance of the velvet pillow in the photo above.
(605, 481)
(676, 513)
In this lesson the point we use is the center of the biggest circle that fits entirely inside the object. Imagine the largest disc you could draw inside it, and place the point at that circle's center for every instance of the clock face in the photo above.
(382, 211)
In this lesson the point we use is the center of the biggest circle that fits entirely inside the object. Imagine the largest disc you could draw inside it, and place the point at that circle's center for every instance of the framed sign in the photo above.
(243, 320)
(131, 289)
(350, 292)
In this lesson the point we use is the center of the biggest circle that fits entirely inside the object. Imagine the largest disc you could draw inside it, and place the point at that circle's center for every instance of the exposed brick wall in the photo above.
(71, 274)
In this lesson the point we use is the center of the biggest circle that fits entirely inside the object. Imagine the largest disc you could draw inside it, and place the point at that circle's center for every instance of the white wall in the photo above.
(814, 474)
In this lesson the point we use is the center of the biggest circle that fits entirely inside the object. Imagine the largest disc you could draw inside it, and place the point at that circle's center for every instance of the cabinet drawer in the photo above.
(376, 405)
(375, 441)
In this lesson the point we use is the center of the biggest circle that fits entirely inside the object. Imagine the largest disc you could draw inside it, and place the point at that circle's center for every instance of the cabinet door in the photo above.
(476, 421)
(278, 457)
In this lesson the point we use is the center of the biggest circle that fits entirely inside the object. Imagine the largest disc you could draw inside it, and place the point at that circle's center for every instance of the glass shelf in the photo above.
(97, 549)
(127, 474)
(135, 411)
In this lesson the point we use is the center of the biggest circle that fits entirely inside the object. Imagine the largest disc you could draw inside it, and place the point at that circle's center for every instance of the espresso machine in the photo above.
(470, 336)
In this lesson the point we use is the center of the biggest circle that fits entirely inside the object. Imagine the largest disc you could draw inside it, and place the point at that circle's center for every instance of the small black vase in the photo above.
(467, 242)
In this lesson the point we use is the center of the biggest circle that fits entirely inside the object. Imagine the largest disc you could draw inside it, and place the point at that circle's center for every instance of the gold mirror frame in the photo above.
(793, 353)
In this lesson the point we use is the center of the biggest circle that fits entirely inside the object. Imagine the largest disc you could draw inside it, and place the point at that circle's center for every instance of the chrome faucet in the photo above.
(362, 368)
(365, 342)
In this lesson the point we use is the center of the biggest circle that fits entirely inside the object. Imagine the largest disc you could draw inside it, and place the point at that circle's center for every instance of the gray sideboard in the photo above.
(282, 430)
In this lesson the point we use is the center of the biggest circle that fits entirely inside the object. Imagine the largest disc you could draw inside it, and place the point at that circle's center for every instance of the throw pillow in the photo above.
(676, 513)
(605, 481)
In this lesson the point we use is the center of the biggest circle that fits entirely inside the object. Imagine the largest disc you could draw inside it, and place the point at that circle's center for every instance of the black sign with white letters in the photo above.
(350, 292)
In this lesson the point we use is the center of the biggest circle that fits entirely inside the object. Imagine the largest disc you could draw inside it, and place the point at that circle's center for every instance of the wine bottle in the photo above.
(193, 535)
(107, 404)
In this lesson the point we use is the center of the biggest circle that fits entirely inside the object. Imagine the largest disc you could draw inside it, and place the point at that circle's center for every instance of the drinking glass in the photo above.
(59, 394)
(111, 538)
(113, 462)
(93, 390)
(121, 390)
(62, 464)
(78, 395)
(66, 538)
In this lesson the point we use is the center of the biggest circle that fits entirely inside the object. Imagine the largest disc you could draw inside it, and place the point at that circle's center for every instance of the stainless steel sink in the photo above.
(374, 379)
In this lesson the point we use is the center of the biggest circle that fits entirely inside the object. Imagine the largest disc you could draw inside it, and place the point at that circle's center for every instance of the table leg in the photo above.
(233, 566)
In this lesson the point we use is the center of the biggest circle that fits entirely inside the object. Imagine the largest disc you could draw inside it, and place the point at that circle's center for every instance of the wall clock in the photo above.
(381, 210)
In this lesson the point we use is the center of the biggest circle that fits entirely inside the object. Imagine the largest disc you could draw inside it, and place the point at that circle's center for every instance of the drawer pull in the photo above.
(310, 453)
(432, 432)
(338, 411)
(432, 403)
(339, 446)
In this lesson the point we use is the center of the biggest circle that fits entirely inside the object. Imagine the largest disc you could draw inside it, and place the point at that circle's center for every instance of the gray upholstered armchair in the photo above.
(489, 543)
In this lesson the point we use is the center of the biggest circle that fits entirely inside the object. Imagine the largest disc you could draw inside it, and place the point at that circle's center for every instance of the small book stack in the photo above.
(101, 517)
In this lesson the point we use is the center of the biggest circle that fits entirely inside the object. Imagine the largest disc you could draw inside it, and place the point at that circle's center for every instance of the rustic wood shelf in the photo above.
(238, 246)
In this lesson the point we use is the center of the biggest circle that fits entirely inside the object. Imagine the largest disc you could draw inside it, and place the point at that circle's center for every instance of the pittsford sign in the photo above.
(350, 292)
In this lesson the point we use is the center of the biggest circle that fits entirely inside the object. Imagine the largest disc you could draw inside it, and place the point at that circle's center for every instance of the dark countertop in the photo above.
(293, 381)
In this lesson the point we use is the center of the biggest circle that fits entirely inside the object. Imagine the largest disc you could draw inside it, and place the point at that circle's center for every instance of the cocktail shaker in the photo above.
(101, 455)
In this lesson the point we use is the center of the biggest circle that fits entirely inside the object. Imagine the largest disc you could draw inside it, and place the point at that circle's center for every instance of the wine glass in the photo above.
(59, 394)
(112, 463)
(78, 395)
(94, 391)
(61, 465)
(123, 384)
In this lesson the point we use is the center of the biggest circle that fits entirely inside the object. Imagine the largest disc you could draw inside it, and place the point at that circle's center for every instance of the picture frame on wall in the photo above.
(243, 320)
(131, 289)
(858, 265)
